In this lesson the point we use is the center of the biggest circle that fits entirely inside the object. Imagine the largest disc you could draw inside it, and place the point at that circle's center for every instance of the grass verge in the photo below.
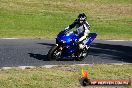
(111, 19)
(61, 76)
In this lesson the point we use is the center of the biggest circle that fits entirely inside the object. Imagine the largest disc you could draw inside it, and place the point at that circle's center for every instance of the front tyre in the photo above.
(54, 53)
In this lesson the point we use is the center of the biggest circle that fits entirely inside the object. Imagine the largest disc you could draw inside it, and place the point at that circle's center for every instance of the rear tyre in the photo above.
(54, 53)
(82, 55)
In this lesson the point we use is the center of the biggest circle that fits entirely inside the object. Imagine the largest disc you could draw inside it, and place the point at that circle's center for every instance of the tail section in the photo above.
(91, 36)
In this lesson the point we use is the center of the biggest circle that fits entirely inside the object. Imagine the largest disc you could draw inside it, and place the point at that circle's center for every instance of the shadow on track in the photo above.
(104, 51)
(45, 58)
(115, 52)
(39, 56)
(49, 44)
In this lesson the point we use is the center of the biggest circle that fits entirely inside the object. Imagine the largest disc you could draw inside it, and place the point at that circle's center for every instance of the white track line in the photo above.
(9, 38)
(50, 66)
(117, 40)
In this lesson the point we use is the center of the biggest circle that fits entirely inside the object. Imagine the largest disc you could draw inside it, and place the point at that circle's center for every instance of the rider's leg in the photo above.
(83, 43)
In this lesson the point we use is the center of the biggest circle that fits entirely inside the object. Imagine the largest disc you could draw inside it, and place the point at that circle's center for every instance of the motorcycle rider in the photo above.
(82, 29)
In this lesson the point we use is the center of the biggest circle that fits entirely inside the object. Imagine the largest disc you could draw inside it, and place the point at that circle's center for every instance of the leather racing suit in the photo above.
(82, 29)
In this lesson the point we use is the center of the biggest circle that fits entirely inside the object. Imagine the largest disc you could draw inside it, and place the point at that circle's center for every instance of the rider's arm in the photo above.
(71, 26)
(88, 25)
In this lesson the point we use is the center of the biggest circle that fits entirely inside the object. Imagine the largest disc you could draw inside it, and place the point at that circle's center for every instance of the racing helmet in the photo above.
(82, 17)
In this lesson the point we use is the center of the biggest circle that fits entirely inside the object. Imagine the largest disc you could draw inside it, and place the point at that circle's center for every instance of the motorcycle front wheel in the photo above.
(54, 53)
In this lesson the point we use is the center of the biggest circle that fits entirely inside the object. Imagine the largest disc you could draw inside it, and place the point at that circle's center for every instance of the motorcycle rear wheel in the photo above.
(80, 56)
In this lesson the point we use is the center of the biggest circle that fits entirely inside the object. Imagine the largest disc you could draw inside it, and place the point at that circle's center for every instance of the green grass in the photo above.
(61, 76)
(111, 19)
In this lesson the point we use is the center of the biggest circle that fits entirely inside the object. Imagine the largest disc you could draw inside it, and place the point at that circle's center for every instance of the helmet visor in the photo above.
(82, 19)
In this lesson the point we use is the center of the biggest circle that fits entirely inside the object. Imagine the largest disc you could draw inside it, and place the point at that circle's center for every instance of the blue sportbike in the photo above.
(67, 48)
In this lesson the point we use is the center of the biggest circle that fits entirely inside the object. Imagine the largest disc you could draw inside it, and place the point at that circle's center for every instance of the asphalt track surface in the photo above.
(33, 52)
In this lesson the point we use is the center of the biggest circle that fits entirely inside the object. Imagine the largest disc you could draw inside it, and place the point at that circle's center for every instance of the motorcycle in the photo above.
(67, 48)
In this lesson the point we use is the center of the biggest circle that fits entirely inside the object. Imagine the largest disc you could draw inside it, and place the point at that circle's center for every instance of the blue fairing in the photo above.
(67, 40)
